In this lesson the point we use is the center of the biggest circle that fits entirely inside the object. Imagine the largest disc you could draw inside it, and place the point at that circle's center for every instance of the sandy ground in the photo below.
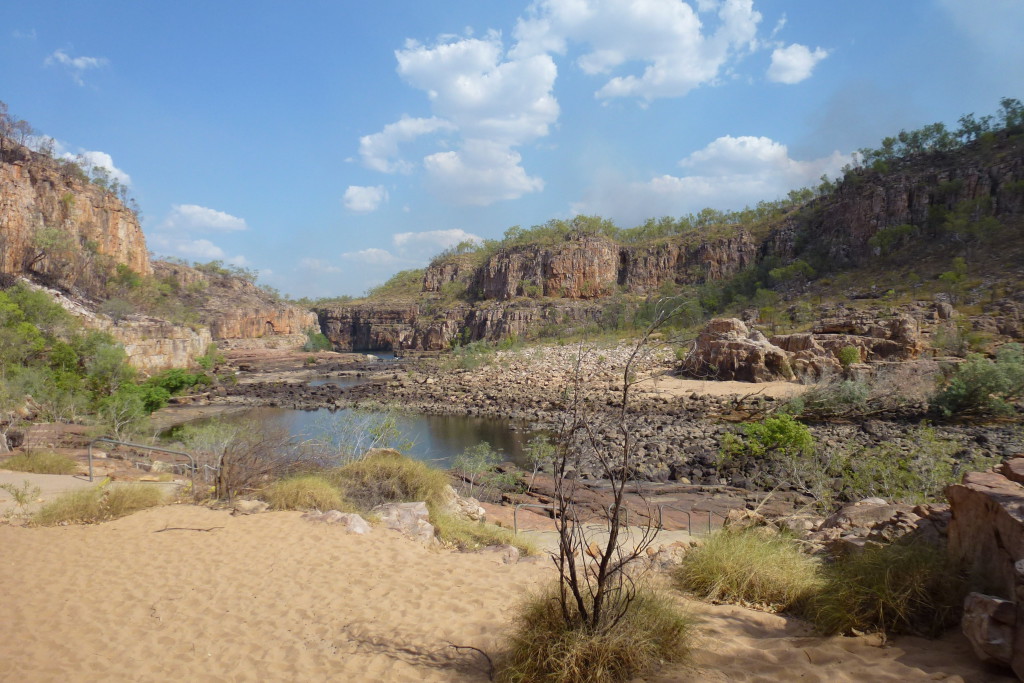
(671, 386)
(187, 593)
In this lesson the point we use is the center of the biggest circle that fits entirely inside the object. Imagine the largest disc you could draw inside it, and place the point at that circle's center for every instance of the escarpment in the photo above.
(57, 226)
(239, 313)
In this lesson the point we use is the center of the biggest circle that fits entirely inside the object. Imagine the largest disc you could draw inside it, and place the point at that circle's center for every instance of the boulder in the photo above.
(989, 624)
(727, 350)
(465, 508)
(352, 522)
(411, 519)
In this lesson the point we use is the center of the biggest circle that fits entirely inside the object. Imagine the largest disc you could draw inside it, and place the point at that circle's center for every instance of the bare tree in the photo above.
(595, 588)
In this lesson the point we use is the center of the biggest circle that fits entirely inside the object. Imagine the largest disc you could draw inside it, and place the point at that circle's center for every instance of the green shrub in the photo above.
(848, 355)
(981, 386)
(387, 476)
(476, 461)
(98, 504)
(751, 567)
(317, 341)
(544, 648)
(899, 588)
(40, 462)
(304, 492)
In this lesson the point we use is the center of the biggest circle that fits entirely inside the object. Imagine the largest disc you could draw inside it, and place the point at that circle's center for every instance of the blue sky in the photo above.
(330, 144)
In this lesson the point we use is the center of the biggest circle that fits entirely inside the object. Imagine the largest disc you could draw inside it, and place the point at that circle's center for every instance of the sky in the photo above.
(328, 145)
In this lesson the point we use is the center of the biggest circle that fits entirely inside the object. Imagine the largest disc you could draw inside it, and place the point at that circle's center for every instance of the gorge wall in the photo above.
(58, 226)
(513, 291)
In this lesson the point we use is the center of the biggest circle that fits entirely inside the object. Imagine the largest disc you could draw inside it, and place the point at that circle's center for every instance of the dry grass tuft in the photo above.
(98, 504)
(544, 649)
(466, 534)
(911, 588)
(40, 462)
(751, 567)
(389, 477)
(304, 492)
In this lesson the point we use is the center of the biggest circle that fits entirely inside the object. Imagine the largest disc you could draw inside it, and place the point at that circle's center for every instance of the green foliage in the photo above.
(751, 566)
(798, 271)
(402, 283)
(40, 462)
(475, 461)
(980, 386)
(177, 380)
(304, 492)
(917, 473)
(778, 436)
(316, 341)
(539, 450)
(900, 588)
(889, 239)
(22, 495)
(544, 648)
(848, 355)
(211, 359)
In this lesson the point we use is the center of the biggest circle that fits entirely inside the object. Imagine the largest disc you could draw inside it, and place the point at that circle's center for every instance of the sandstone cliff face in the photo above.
(367, 327)
(235, 308)
(582, 268)
(645, 269)
(36, 193)
(916, 192)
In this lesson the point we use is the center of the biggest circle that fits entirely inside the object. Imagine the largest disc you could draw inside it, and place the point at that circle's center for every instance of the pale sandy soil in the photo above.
(273, 597)
(670, 386)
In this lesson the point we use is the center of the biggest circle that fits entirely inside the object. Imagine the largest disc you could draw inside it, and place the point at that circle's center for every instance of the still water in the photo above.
(436, 438)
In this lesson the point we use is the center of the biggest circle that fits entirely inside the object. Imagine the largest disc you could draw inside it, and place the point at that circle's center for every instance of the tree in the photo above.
(539, 450)
(475, 461)
(596, 593)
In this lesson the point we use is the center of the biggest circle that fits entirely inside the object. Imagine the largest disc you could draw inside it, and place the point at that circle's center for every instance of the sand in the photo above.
(272, 597)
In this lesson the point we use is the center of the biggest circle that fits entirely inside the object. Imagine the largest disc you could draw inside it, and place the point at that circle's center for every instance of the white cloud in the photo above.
(667, 36)
(371, 256)
(479, 174)
(380, 151)
(193, 218)
(794, 63)
(199, 249)
(432, 240)
(318, 265)
(729, 173)
(488, 104)
(364, 199)
(76, 66)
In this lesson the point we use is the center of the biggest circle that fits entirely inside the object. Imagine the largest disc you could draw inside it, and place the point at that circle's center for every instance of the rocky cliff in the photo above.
(372, 327)
(235, 309)
(59, 227)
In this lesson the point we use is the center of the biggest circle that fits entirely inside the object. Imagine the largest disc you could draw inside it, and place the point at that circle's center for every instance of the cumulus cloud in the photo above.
(794, 63)
(488, 104)
(371, 256)
(200, 249)
(667, 37)
(76, 66)
(318, 265)
(479, 174)
(729, 173)
(380, 151)
(364, 199)
(432, 240)
(194, 218)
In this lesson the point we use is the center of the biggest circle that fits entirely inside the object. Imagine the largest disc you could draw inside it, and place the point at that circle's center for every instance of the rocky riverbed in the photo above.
(678, 425)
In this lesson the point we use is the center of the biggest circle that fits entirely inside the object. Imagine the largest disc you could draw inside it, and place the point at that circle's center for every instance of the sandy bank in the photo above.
(273, 597)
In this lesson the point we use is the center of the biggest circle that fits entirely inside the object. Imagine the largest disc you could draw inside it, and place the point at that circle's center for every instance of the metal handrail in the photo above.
(104, 439)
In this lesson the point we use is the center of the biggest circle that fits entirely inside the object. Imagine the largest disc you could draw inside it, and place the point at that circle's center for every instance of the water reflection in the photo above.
(437, 438)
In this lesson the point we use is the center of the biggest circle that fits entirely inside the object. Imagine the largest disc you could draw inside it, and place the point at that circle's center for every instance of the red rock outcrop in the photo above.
(727, 350)
(986, 532)
(235, 308)
(580, 268)
(90, 225)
